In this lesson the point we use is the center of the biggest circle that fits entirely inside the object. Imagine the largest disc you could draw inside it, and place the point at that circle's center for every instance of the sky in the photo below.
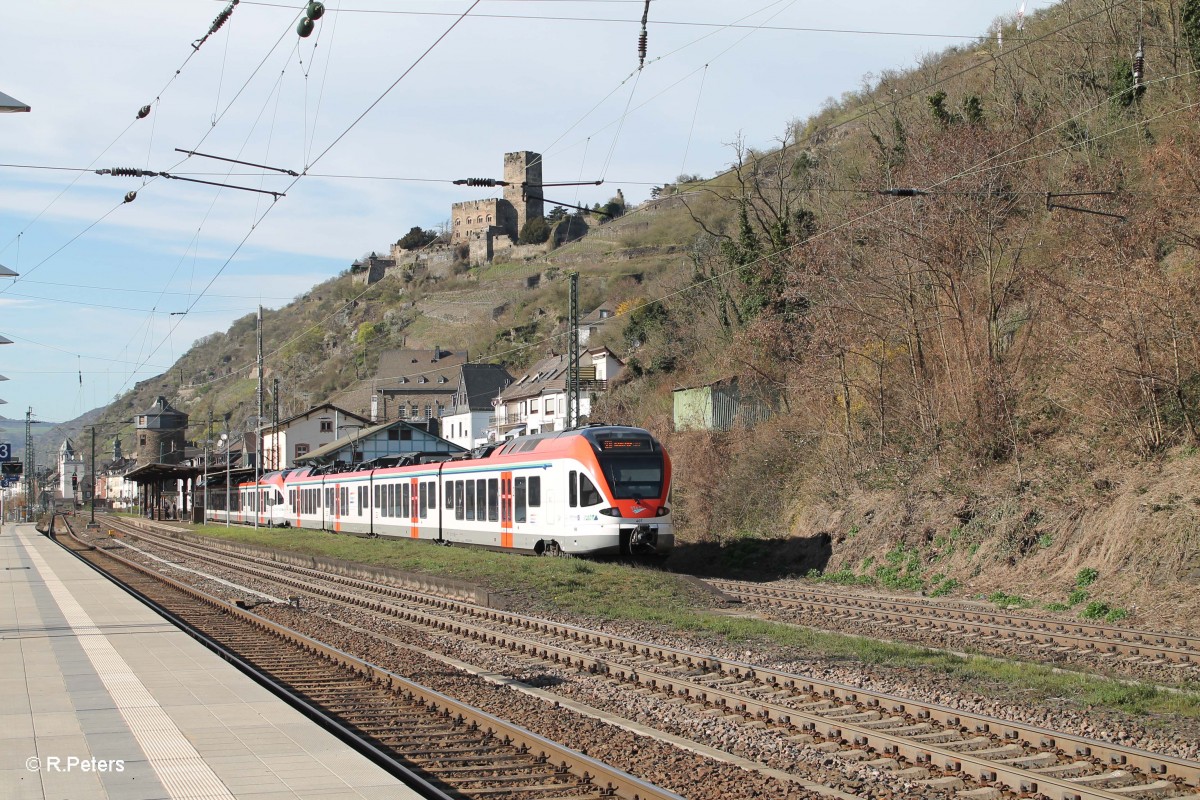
(378, 111)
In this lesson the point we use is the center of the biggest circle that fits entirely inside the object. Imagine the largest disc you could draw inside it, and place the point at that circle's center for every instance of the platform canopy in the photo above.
(151, 473)
(11, 104)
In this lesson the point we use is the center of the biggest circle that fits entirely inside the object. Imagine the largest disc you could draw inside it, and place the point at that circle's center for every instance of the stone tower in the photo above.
(524, 167)
(160, 432)
(70, 465)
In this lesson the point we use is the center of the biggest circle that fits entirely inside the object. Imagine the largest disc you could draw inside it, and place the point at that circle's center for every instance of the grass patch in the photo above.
(1003, 600)
(843, 577)
(572, 585)
(946, 587)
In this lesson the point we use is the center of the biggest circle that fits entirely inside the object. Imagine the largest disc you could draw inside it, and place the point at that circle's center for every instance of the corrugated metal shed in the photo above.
(721, 406)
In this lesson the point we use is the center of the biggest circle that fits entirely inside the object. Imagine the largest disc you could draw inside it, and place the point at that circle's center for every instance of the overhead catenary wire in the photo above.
(327, 149)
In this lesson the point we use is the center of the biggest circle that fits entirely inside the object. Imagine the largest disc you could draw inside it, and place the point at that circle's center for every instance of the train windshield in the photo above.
(634, 477)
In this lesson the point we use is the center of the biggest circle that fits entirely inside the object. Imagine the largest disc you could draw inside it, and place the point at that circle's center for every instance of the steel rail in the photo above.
(1180, 649)
(1151, 764)
(591, 770)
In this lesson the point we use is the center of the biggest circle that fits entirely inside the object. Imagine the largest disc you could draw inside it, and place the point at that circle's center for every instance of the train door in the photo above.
(413, 517)
(337, 507)
(506, 509)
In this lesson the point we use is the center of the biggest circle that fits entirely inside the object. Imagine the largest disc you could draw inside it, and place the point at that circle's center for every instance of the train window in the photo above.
(421, 506)
(573, 488)
(449, 504)
(406, 507)
(377, 488)
(588, 496)
(519, 500)
(345, 499)
(470, 499)
(432, 492)
(481, 499)
(389, 500)
(535, 491)
(493, 499)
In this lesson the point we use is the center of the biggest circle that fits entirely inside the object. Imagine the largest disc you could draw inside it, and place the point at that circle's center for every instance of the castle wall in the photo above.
(473, 218)
(436, 260)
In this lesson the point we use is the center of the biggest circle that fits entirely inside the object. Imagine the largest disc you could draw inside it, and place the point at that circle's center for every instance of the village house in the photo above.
(383, 441)
(298, 435)
(536, 402)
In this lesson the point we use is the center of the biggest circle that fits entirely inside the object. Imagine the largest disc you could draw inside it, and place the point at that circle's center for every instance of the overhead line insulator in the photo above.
(312, 12)
(217, 24)
(128, 172)
(479, 182)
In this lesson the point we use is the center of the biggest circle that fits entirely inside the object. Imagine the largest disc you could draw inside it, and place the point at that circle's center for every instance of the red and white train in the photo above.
(600, 490)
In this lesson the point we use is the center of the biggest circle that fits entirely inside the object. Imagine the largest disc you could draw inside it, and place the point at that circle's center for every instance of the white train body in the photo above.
(598, 490)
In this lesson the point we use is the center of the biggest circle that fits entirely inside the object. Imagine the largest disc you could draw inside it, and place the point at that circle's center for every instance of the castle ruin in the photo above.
(485, 221)
(482, 226)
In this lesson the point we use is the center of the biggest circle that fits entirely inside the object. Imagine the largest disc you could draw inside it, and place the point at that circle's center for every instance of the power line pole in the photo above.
(258, 441)
(573, 355)
(92, 477)
(30, 461)
(275, 459)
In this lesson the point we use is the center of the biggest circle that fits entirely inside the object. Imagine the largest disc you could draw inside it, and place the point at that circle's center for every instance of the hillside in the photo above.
(986, 381)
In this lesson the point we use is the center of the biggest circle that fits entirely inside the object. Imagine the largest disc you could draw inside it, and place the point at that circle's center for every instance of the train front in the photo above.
(638, 472)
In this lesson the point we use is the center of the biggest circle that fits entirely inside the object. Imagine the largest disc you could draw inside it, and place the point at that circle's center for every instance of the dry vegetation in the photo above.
(965, 359)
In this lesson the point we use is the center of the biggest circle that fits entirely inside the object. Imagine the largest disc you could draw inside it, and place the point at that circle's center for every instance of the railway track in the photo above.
(445, 749)
(930, 745)
(1097, 641)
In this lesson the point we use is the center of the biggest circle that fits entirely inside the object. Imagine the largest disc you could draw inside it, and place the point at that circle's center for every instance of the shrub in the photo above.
(1086, 577)
(1076, 597)
(416, 237)
(1096, 610)
(1190, 16)
(535, 231)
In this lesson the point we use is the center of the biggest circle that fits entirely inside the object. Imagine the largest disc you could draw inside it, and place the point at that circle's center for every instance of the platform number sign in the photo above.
(10, 470)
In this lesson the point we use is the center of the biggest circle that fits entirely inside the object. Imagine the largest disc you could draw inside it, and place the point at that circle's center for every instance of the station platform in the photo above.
(102, 698)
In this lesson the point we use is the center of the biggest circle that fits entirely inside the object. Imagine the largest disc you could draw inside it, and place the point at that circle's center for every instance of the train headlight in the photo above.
(611, 512)
(662, 511)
